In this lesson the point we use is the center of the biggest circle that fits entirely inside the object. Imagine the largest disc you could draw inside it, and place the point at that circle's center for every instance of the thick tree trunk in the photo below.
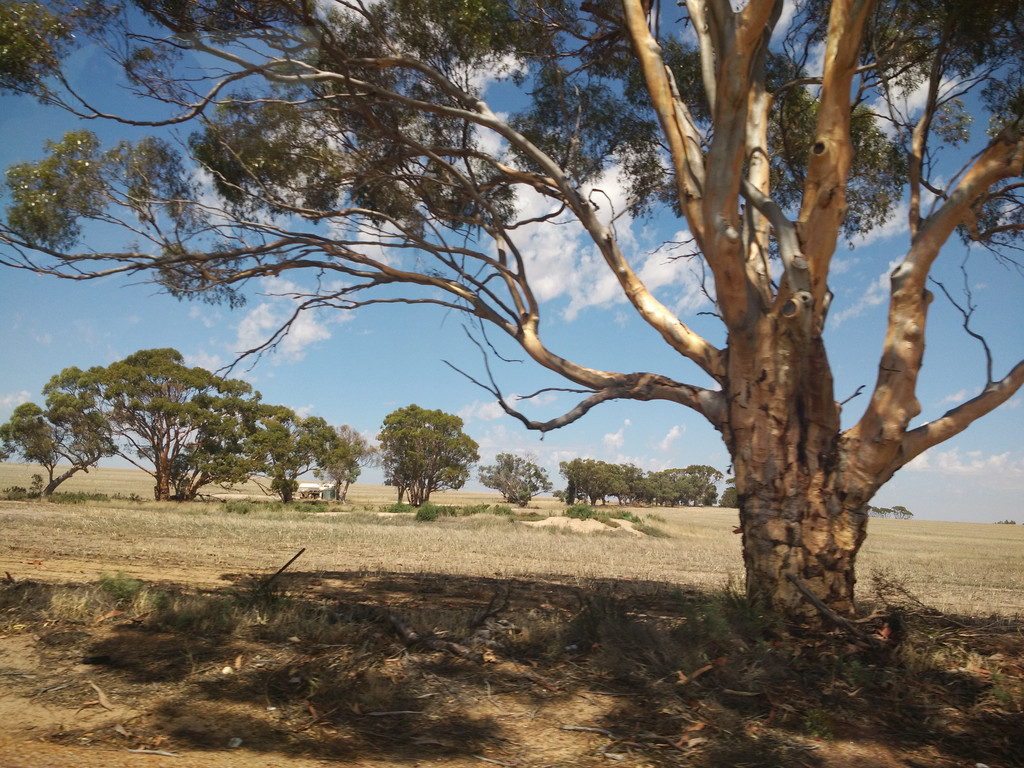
(162, 488)
(162, 475)
(801, 530)
(51, 486)
(798, 517)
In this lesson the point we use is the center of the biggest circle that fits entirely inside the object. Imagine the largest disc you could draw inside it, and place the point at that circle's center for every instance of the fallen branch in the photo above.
(834, 617)
(589, 729)
(431, 641)
(103, 700)
(493, 608)
(262, 588)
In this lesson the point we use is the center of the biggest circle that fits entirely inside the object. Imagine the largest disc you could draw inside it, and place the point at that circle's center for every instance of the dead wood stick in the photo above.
(493, 761)
(267, 582)
(431, 641)
(160, 752)
(588, 729)
(492, 608)
(834, 617)
(318, 719)
(395, 712)
(103, 700)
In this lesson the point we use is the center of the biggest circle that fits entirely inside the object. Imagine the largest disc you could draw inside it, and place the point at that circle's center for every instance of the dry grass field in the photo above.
(968, 568)
(479, 639)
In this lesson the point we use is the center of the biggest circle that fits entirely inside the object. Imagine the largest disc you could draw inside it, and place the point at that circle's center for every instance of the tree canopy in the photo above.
(423, 451)
(285, 446)
(346, 455)
(516, 478)
(182, 425)
(69, 431)
(360, 142)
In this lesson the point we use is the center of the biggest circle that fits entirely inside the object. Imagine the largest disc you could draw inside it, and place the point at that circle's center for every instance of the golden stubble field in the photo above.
(136, 633)
(967, 568)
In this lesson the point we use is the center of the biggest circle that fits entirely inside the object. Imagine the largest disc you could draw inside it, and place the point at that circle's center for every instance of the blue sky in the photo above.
(356, 368)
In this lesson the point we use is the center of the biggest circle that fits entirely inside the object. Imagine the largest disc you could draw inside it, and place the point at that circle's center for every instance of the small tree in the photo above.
(286, 446)
(70, 430)
(346, 455)
(705, 481)
(901, 513)
(516, 478)
(423, 451)
(729, 495)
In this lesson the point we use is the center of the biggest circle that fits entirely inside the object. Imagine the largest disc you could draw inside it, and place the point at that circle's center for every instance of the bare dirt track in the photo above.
(195, 657)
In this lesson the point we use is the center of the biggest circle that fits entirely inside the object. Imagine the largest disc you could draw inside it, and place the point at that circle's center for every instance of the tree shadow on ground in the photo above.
(549, 671)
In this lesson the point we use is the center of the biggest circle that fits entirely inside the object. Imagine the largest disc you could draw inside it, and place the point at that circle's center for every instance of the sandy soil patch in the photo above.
(584, 526)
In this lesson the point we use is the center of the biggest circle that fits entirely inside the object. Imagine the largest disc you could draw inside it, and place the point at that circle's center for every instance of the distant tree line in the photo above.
(898, 512)
(593, 481)
(189, 428)
(185, 426)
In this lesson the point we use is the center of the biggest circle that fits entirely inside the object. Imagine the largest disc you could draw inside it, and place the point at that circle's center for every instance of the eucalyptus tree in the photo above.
(424, 450)
(71, 432)
(357, 141)
(344, 458)
(284, 446)
(516, 478)
(182, 425)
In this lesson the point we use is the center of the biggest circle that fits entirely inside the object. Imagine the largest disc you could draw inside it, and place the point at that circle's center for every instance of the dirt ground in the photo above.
(395, 669)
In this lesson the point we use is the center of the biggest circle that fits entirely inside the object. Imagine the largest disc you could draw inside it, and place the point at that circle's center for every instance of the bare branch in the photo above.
(956, 420)
(967, 311)
(634, 386)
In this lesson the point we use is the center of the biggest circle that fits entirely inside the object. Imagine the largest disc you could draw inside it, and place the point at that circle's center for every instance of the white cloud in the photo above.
(207, 360)
(564, 263)
(263, 320)
(673, 434)
(202, 314)
(876, 293)
(897, 225)
(489, 410)
(920, 463)
(11, 401)
(969, 463)
(613, 441)
(958, 397)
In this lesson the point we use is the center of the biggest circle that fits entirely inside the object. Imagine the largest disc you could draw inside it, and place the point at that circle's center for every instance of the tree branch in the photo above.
(956, 420)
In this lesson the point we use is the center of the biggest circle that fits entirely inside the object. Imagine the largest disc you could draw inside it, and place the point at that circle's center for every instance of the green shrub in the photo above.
(77, 497)
(476, 509)
(429, 512)
(399, 507)
(626, 515)
(580, 512)
(244, 506)
(650, 530)
(130, 497)
(502, 509)
(14, 493)
(120, 587)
